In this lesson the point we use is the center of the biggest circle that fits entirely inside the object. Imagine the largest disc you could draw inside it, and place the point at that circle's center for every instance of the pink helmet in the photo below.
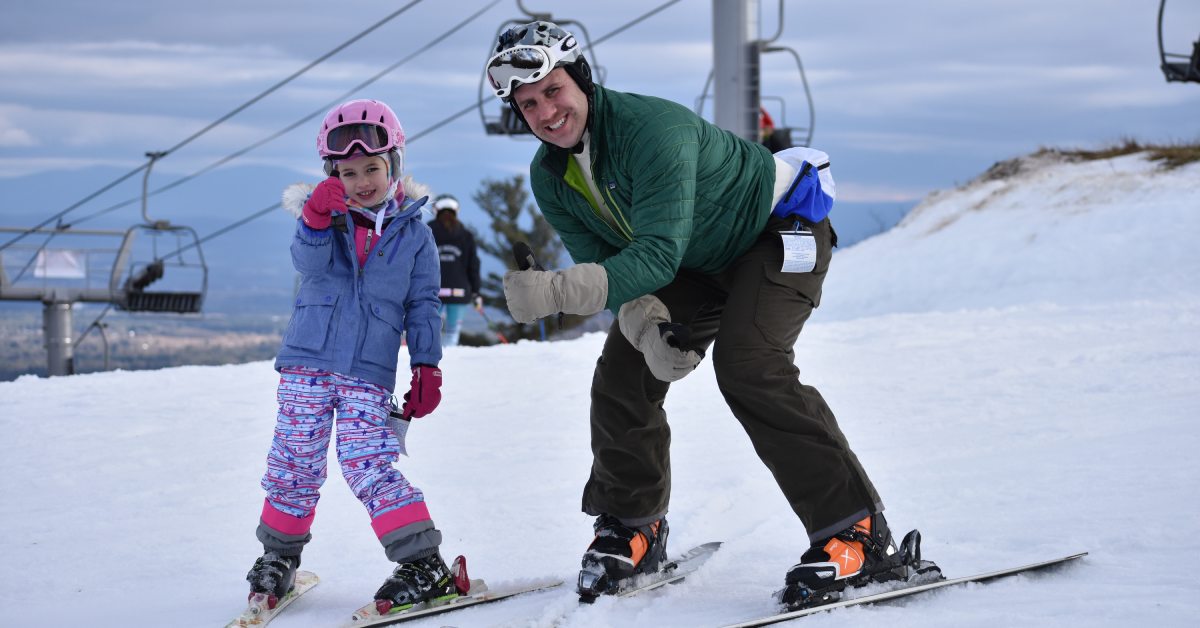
(366, 125)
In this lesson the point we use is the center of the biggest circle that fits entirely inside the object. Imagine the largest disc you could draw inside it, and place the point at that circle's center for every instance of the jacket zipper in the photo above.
(623, 229)
(618, 217)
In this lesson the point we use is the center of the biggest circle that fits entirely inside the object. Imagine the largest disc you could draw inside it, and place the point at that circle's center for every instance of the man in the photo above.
(681, 228)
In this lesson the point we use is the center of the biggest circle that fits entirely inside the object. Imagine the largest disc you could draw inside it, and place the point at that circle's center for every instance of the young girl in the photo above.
(368, 271)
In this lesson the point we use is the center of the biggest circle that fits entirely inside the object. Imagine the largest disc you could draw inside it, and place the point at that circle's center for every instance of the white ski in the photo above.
(479, 594)
(257, 613)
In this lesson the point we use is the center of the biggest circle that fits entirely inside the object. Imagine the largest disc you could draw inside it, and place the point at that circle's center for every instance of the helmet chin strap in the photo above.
(393, 189)
(379, 220)
(379, 210)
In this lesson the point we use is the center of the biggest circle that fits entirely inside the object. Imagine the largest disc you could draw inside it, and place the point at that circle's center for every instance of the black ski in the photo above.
(905, 592)
(671, 572)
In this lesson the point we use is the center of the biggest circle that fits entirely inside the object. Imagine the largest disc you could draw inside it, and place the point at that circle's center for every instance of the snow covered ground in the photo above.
(1017, 365)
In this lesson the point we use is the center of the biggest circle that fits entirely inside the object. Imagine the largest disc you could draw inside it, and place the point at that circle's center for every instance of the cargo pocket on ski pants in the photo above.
(785, 299)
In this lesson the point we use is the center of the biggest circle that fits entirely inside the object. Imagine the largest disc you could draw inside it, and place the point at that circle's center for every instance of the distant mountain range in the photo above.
(249, 267)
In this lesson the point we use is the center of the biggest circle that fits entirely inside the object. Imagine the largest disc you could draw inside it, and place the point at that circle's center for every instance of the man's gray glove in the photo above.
(646, 323)
(533, 294)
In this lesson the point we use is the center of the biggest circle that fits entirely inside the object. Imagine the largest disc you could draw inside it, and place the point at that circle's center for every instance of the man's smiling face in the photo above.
(555, 108)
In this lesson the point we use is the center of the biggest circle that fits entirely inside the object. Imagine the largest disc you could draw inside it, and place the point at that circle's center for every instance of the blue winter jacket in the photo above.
(347, 319)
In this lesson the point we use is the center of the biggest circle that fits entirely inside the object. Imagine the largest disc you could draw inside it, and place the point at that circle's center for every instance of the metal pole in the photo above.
(736, 67)
(56, 326)
(154, 156)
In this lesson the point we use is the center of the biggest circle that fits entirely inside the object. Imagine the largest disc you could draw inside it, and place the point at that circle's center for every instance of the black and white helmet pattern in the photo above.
(540, 33)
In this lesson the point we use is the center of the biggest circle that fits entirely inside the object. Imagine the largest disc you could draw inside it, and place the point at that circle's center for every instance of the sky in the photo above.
(908, 97)
(1006, 400)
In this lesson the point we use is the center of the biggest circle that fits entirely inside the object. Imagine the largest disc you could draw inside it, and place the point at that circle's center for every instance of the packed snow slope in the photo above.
(1016, 365)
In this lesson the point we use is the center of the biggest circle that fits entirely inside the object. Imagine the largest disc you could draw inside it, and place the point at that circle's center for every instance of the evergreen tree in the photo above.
(512, 218)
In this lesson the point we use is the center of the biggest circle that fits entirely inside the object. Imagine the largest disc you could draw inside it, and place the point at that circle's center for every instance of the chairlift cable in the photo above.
(294, 75)
(447, 120)
(266, 210)
(634, 22)
(95, 323)
(33, 258)
(478, 103)
(411, 139)
(223, 230)
(21, 236)
(217, 122)
(415, 137)
(293, 126)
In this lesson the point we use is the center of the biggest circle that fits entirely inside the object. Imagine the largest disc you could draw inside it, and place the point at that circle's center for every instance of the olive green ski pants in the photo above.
(751, 314)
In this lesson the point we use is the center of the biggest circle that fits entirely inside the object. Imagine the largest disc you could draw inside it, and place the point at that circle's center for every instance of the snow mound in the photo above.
(1040, 229)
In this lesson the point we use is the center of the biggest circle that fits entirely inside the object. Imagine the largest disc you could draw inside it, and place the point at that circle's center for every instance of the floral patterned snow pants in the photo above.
(366, 449)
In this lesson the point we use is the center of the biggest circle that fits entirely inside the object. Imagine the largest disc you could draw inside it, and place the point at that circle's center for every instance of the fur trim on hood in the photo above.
(295, 194)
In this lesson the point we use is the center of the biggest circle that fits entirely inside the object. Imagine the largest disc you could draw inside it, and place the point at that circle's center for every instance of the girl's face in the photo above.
(365, 178)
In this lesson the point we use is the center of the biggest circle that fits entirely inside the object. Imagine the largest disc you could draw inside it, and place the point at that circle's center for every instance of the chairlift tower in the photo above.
(736, 67)
(58, 297)
(740, 106)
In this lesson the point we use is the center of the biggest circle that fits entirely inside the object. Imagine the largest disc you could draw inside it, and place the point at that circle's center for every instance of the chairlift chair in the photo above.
(133, 293)
(783, 136)
(780, 137)
(1177, 67)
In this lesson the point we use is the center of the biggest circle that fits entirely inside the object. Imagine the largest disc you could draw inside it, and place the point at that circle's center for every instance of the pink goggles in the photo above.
(371, 139)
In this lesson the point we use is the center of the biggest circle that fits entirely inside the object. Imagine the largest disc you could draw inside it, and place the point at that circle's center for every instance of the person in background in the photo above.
(774, 139)
(695, 238)
(368, 271)
(460, 267)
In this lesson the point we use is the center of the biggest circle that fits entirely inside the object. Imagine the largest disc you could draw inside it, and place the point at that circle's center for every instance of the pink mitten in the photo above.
(329, 196)
(425, 391)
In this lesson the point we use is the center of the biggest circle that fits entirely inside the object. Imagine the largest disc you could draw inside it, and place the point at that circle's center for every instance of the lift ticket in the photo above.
(799, 251)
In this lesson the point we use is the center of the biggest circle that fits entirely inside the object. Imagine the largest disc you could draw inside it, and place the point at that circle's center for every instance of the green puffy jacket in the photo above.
(684, 193)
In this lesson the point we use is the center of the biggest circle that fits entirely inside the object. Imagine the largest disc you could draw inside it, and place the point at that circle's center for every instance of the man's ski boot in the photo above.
(619, 553)
(425, 581)
(272, 576)
(859, 555)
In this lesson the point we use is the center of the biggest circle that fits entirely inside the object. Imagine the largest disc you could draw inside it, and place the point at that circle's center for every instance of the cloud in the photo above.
(1120, 98)
(52, 70)
(73, 139)
(12, 167)
(878, 193)
(12, 136)
(904, 96)
(901, 142)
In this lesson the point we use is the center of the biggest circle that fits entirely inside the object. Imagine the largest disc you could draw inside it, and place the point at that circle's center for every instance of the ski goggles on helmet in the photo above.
(520, 65)
(371, 139)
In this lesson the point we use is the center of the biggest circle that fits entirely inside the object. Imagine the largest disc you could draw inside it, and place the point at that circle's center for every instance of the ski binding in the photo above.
(594, 582)
(905, 591)
(470, 593)
(258, 613)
